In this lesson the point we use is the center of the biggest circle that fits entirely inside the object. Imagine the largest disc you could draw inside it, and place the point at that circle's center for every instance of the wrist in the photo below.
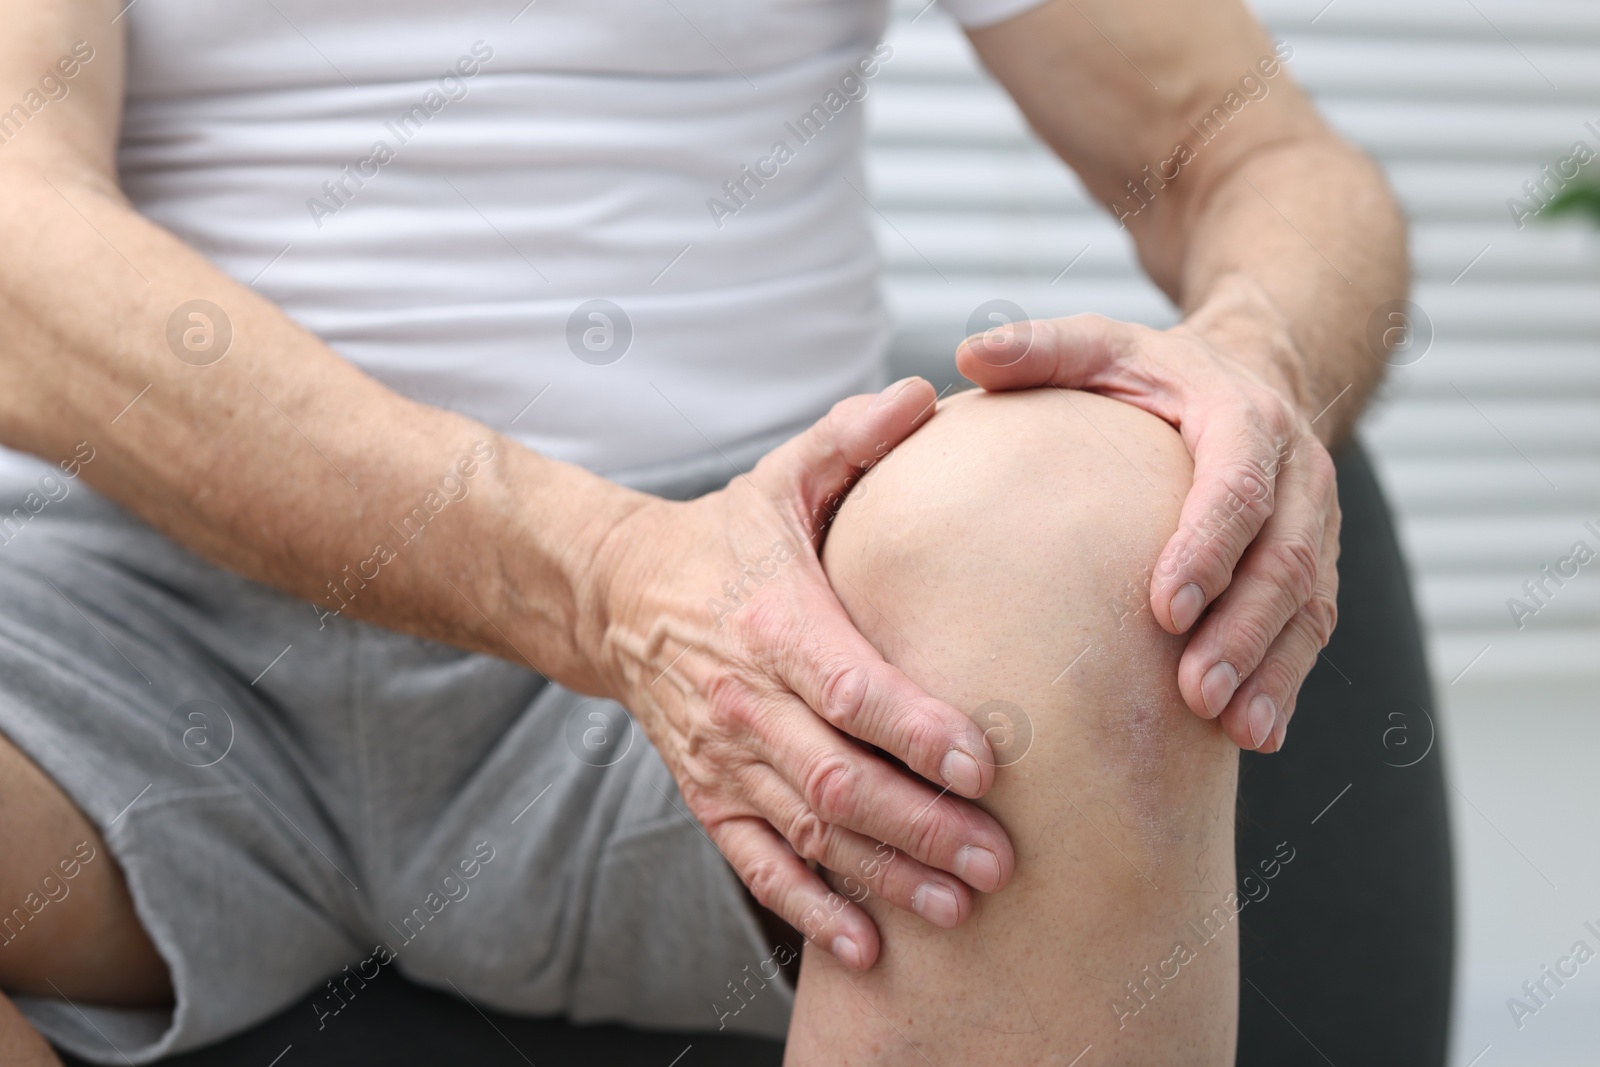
(1242, 325)
(552, 561)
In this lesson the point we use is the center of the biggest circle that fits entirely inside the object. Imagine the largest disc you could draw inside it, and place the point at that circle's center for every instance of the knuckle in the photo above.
(1201, 558)
(923, 739)
(1296, 560)
(927, 833)
(831, 789)
(836, 426)
(823, 435)
(1249, 486)
(878, 870)
(915, 735)
(844, 697)
(1322, 615)
(703, 799)
(1248, 632)
(767, 623)
(1092, 320)
(1282, 419)
(1319, 462)
(764, 877)
(730, 706)
(1335, 523)
(809, 836)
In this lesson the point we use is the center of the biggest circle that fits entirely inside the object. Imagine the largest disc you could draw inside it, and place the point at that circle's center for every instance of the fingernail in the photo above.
(961, 773)
(1187, 603)
(1282, 732)
(847, 952)
(978, 867)
(1217, 687)
(1262, 715)
(937, 904)
(891, 392)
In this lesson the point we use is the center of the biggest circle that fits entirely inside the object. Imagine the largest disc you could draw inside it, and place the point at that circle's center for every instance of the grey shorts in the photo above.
(290, 796)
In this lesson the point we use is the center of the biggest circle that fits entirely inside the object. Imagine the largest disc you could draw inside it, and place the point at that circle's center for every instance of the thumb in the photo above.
(1080, 352)
(823, 462)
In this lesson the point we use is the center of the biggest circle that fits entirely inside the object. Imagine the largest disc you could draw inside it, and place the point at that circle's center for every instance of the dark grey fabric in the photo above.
(1347, 958)
(397, 1024)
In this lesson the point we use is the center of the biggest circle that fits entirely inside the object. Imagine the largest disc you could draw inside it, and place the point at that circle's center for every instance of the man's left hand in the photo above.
(1253, 561)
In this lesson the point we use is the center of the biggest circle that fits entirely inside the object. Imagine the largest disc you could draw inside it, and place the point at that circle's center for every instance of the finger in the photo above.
(866, 866)
(782, 883)
(1258, 716)
(1079, 351)
(1274, 579)
(1238, 452)
(843, 677)
(823, 461)
(846, 785)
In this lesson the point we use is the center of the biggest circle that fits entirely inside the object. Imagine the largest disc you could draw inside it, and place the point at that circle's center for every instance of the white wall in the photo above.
(1489, 444)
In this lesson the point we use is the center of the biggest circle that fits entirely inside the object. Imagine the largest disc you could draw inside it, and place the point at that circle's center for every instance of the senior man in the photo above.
(422, 385)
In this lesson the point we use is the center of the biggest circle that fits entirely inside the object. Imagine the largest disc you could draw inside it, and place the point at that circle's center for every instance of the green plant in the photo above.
(1577, 200)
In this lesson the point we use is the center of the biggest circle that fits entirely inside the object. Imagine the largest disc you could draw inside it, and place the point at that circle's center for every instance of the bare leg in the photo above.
(86, 943)
(1003, 554)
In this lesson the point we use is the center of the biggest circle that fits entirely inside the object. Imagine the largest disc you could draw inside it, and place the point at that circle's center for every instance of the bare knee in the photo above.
(1001, 557)
(1047, 484)
(1016, 533)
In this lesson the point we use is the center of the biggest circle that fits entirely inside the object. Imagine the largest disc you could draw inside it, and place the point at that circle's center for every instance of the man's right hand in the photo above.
(723, 636)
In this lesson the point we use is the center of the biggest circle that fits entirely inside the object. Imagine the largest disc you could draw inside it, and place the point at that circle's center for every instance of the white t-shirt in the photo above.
(440, 189)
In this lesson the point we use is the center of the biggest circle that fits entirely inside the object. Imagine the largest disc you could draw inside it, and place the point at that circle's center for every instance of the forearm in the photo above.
(1285, 262)
(280, 461)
